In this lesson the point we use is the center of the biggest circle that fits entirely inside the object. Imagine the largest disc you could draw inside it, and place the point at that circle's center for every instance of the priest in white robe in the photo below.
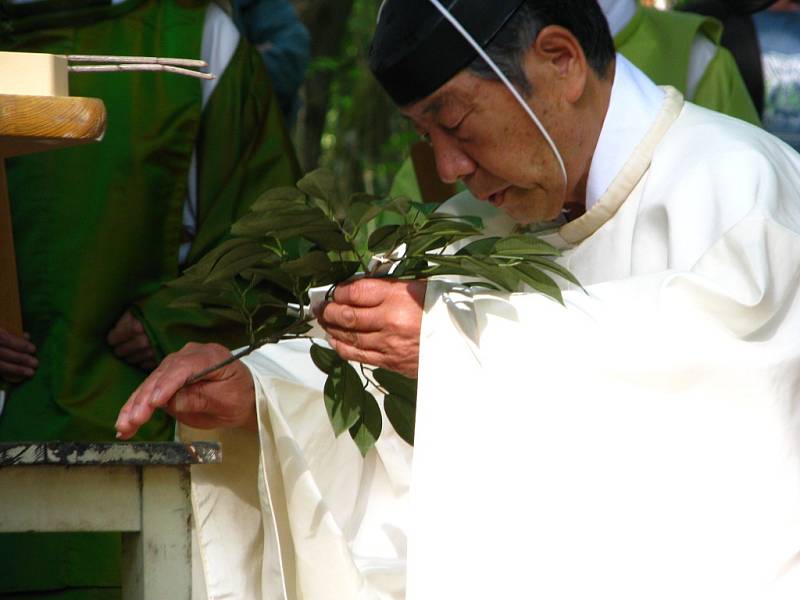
(639, 442)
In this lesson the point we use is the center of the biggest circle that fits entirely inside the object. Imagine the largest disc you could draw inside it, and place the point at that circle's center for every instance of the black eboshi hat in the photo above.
(415, 50)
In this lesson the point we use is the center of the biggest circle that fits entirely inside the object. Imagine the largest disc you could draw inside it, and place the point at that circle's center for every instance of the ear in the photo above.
(560, 58)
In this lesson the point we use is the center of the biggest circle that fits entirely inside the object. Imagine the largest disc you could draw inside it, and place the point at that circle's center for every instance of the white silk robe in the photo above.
(644, 440)
(641, 442)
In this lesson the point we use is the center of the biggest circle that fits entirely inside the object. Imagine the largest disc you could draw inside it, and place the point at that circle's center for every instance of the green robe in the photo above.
(98, 229)
(659, 43)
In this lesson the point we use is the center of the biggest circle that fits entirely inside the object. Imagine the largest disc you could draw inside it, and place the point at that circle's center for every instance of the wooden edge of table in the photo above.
(38, 123)
(77, 454)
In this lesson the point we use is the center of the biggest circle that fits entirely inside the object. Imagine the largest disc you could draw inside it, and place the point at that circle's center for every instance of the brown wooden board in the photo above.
(10, 312)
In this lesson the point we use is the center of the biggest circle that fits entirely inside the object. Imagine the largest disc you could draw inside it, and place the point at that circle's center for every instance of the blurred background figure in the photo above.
(778, 31)
(682, 50)
(274, 28)
(739, 36)
(100, 229)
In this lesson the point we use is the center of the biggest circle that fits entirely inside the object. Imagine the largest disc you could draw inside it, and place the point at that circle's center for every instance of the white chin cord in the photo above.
(514, 92)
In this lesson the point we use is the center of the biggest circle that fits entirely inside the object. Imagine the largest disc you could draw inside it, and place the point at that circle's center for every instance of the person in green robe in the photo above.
(682, 50)
(100, 229)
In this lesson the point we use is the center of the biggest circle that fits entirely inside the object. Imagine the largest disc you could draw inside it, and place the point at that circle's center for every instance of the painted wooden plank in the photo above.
(57, 499)
(106, 454)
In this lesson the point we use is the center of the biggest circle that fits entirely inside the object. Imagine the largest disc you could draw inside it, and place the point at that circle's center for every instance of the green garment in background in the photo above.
(98, 229)
(660, 44)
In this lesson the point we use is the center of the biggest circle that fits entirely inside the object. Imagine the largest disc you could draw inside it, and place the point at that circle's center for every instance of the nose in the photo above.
(452, 162)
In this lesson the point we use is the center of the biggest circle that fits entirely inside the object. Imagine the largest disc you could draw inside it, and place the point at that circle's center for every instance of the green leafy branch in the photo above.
(298, 238)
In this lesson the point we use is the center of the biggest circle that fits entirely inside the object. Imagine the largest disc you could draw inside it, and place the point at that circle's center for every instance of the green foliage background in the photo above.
(363, 138)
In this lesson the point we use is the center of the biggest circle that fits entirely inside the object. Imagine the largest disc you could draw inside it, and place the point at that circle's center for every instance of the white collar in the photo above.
(635, 104)
(618, 13)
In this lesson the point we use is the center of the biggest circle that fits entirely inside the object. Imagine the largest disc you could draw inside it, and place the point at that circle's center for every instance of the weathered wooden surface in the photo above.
(108, 454)
(139, 489)
(36, 123)
(10, 311)
(59, 499)
(157, 560)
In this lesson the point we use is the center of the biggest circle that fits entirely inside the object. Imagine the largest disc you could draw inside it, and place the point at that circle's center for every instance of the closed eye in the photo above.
(453, 129)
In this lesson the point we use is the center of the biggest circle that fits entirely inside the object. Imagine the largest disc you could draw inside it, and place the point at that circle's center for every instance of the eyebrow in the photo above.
(434, 107)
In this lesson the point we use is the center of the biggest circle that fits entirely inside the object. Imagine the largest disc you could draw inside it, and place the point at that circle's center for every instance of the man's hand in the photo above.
(129, 342)
(17, 360)
(377, 322)
(223, 398)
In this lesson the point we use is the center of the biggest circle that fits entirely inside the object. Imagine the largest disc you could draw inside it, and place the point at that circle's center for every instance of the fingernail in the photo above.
(118, 436)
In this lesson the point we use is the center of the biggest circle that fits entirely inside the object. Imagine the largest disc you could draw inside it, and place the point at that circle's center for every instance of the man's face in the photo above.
(482, 136)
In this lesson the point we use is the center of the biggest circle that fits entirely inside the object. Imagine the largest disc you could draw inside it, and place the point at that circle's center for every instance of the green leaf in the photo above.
(343, 392)
(285, 222)
(367, 429)
(556, 268)
(402, 413)
(229, 314)
(273, 275)
(475, 222)
(325, 359)
(330, 240)
(448, 227)
(481, 247)
(238, 259)
(539, 281)
(524, 245)
(395, 383)
(200, 270)
(361, 212)
(314, 264)
(412, 268)
(322, 184)
(384, 239)
(278, 197)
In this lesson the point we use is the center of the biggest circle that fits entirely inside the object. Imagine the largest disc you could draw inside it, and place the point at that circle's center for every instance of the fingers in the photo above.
(364, 293)
(342, 316)
(126, 328)
(366, 341)
(136, 346)
(17, 362)
(16, 343)
(153, 393)
(397, 363)
(166, 382)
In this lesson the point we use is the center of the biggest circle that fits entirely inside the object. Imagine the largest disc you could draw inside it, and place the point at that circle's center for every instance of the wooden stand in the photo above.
(31, 124)
(139, 489)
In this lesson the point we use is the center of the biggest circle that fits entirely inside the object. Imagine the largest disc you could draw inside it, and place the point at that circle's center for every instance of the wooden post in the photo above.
(157, 560)
(31, 124)
(10, 311)
(139, 489)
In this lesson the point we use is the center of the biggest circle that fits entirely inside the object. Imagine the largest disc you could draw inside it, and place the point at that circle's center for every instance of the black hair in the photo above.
(583, 18)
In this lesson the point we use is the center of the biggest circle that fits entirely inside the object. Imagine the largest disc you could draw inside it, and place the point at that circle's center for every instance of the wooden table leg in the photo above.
(10, 310)
(157, 561)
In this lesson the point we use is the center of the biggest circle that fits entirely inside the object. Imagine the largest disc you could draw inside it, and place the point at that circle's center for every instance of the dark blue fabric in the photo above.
(779, 36)
(283, 41)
